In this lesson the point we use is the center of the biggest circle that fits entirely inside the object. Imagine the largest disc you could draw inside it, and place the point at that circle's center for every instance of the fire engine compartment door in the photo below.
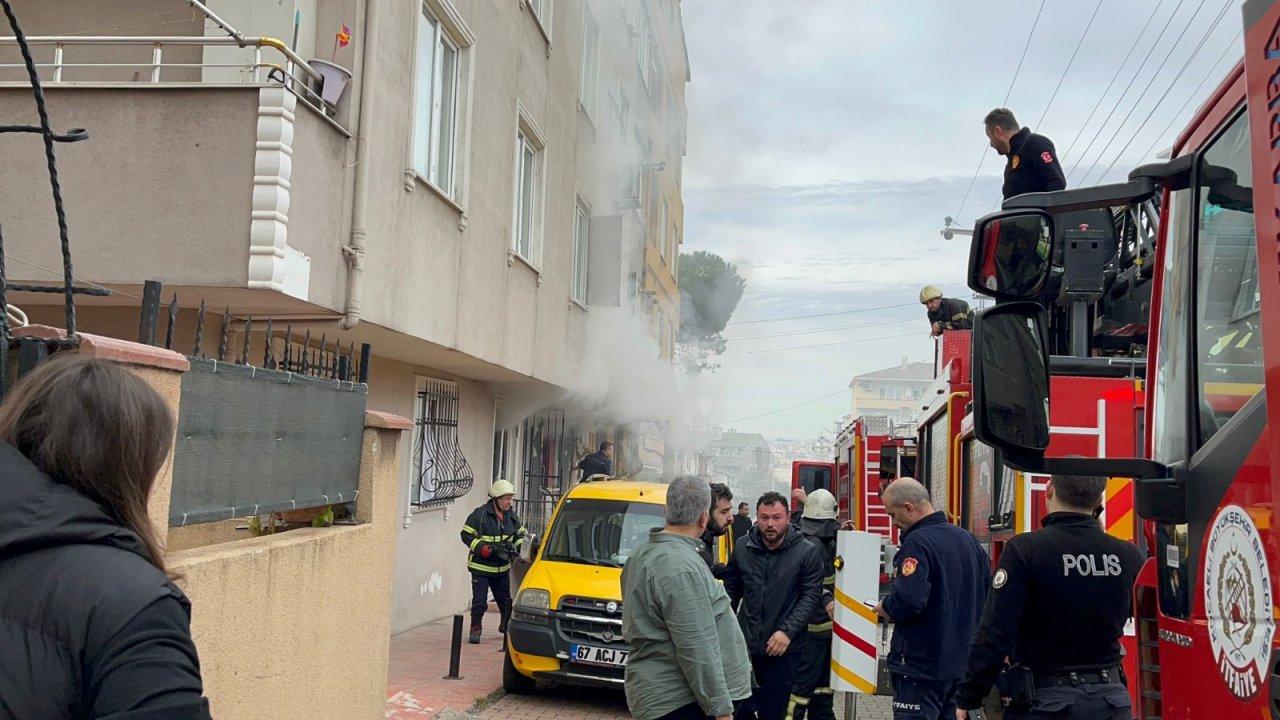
(856, 635)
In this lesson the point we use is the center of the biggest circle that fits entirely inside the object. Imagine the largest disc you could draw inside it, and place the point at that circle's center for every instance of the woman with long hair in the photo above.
(91, 625)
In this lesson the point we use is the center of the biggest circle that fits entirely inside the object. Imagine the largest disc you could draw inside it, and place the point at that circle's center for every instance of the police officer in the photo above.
(811, 693)
(493, 535)
(1032, 164)
(1061, 596)
(945, 313)
(940, 582)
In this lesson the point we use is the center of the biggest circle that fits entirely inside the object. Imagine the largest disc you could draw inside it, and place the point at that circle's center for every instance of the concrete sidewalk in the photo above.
(416, 688)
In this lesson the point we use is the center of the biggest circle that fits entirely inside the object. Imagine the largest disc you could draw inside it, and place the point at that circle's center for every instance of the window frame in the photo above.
(528, 136)
(589, 81)
(580, 278)
(450, 31)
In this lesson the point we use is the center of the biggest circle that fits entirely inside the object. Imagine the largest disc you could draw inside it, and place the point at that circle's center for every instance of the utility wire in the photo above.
(1129, 86)
(823, 345)
(1213, 70)
(1176, 42)
(1007, 94)
(58, 274)
(1176, 77)
(789, 407)
(1072, 60)
(821, 330)
(818, 315)
(1110, 84)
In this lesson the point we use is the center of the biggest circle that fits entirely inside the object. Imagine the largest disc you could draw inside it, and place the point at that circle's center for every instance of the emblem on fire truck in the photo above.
(1237, 601)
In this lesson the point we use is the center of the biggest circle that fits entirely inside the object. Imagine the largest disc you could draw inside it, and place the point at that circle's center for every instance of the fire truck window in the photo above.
(1169, 428)
(815, 477)
(1228, 321)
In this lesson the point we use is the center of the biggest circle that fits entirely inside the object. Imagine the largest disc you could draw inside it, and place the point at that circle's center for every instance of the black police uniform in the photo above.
(1061, 597)
(941, 578)
(1032, 165)
(811, 693)
(954, 314)
(492, 542)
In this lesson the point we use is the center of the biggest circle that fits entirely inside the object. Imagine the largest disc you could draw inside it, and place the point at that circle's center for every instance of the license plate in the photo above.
(589, 655)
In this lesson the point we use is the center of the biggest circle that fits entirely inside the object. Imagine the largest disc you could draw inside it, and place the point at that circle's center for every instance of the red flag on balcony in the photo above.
(344, 36)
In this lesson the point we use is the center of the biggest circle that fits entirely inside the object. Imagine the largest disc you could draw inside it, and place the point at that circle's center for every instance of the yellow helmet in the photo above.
(501, 488)
(929, 292)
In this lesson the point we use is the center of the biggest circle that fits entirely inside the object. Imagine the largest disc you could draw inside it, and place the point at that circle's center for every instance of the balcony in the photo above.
(213, 164)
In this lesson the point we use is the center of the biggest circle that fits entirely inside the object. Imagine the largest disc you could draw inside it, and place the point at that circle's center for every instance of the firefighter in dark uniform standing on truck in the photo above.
(945, 313)
(1059, 602)
(1031, 163)
(493, 536)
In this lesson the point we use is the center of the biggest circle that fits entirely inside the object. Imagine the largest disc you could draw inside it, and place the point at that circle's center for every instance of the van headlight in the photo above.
(534, 599)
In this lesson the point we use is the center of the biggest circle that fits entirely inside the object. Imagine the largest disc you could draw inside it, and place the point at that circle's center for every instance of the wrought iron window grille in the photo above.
(441, 472)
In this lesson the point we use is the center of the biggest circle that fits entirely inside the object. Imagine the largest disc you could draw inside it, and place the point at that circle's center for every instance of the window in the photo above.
(440, 472)
(588, 93)
(435, 120)
(581, 242)
(527, 222)
(1170, 411)
(664, 228)
(1228, 304)
(601, 532)
(891, 393)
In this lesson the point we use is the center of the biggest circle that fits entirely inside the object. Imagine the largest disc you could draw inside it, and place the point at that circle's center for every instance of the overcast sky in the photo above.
(826, 146)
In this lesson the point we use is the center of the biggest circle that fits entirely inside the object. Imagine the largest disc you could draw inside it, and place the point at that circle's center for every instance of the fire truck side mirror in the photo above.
(1010, 255)
(1011, 378)
(1163, 500)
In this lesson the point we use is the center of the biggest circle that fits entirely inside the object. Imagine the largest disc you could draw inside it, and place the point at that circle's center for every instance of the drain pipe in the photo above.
(354, 249)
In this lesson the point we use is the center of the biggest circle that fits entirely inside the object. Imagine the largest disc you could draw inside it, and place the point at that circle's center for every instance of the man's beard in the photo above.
(716, 529)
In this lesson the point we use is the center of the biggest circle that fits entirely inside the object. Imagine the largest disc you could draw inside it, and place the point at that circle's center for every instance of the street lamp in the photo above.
(950, 229)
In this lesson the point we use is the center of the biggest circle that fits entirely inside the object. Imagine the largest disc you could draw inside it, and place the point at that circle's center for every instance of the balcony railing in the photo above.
(268, 61)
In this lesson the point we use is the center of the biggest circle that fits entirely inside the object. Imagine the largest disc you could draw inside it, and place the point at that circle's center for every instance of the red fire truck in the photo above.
(1205, 482)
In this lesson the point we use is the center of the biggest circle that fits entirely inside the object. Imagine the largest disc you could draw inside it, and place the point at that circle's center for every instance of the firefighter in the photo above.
(1060, 598)
(1032, 164)
(493, 536)
(811, 693)
(945, 313)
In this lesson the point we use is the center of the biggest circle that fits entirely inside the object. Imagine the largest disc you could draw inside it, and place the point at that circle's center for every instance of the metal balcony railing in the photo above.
(269, 61)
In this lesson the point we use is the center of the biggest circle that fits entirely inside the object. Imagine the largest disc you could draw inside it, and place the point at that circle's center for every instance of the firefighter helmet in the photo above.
(929, 292)
(501, 488)
(821, 505)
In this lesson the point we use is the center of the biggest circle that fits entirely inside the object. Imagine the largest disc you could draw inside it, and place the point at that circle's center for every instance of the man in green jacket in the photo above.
(688, 657)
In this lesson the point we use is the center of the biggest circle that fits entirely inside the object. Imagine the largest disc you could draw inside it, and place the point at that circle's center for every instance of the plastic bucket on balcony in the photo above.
(335, 80)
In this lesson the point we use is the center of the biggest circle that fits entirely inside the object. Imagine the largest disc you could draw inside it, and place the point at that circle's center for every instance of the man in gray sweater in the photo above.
(688, 657)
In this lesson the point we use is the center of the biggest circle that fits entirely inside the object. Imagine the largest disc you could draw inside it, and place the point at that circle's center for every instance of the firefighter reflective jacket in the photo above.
(492, 541)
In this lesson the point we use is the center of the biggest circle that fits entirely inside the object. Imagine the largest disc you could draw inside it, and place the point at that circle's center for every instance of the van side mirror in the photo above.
(1011, 253)
(1011, 378)
(535, 544)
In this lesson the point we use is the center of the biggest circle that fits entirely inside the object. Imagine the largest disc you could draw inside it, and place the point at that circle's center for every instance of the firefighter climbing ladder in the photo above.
(855, 640)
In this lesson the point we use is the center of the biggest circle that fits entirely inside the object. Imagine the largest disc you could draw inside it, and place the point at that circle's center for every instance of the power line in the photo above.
(1191, 21)
(1129, 86)
(1213, 70)
(1007, 94)
(823, 345)
(58, 274)
(1072, 60)
(1110, 84)
(1176, 77)
(819, 315)
(789, 407)
(821, 330)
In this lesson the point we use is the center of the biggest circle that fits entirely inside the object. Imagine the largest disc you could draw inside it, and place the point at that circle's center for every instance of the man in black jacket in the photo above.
(1060, 599)
(945, 313)
(741, 522)
(940, 581)
(718, 525)
(1032, 164)
(775, 577)
(598, 463)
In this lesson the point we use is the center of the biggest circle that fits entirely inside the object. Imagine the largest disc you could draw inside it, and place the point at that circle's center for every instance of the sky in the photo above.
(827, 145)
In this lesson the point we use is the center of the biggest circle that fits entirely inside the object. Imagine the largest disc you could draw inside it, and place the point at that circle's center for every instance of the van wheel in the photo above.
(512, 680)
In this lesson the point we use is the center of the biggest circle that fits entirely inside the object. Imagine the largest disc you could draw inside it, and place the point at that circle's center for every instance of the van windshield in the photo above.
(601, 532)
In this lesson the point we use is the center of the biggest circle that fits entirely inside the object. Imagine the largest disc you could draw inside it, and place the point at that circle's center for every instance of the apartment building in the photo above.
(894, 392)
(492, 174)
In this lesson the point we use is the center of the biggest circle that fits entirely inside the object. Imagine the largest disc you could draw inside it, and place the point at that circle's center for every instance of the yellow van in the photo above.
(567, 622)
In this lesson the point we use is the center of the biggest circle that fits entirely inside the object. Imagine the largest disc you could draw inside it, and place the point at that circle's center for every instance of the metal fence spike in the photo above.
(244, 351)
(268, 356)
(173, 320)
(306, 348)
(226, 334)
(198, 349)
(288, 347)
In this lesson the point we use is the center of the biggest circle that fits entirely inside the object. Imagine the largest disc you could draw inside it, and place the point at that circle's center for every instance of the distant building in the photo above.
(894, 392)
(743, 461)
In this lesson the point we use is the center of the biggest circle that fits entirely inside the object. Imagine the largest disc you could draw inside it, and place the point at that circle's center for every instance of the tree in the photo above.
(710, 289)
